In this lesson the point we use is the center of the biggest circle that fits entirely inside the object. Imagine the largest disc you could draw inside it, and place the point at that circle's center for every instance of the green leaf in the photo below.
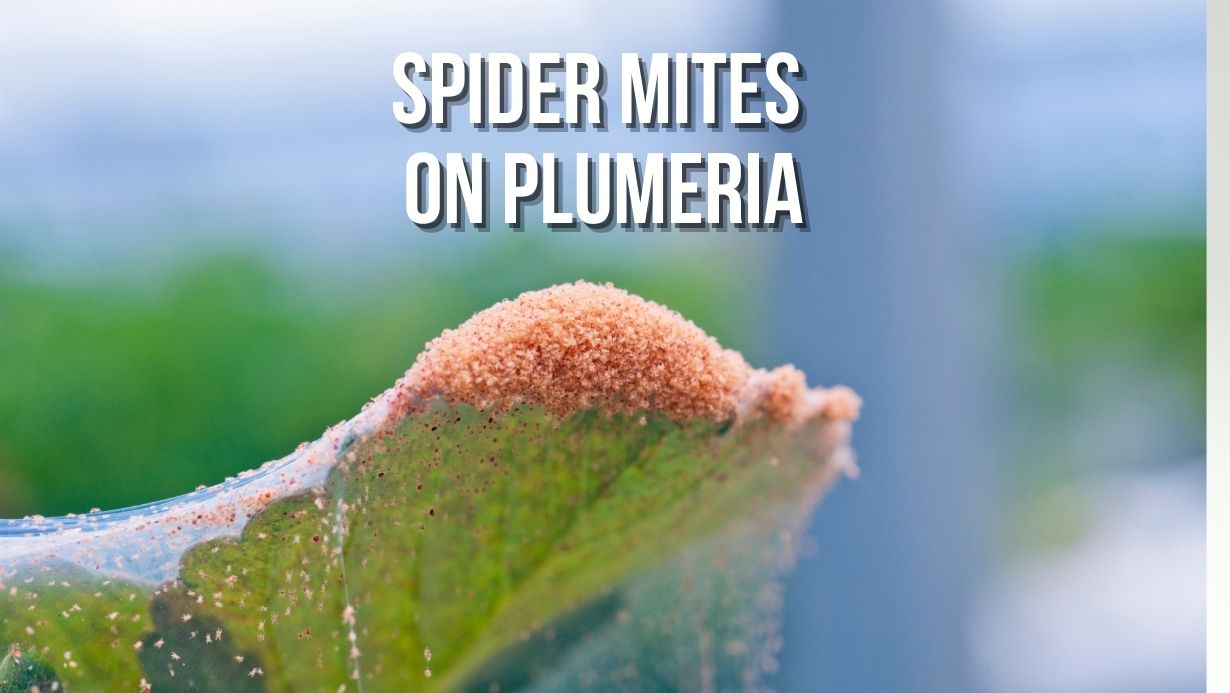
(465, 534)
(21, 673)
(465, 550)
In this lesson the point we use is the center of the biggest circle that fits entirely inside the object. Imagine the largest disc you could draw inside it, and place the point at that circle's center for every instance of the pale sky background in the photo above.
(133, 126)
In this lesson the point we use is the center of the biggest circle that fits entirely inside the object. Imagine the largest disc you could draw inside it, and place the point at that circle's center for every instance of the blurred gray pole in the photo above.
(877, 296)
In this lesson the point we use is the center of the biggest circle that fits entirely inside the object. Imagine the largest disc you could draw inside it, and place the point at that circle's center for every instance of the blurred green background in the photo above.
(132, 387)
(1107, 336)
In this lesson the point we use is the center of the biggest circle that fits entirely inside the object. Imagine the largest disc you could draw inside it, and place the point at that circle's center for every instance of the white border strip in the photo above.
(1217, 77)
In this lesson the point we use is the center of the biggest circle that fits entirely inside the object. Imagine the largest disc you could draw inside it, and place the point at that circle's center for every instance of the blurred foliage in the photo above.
(1134, 297)
(116, 391)
(1107, 343)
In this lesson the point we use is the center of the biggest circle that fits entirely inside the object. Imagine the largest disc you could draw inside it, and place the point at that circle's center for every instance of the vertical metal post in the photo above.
(878, 295)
